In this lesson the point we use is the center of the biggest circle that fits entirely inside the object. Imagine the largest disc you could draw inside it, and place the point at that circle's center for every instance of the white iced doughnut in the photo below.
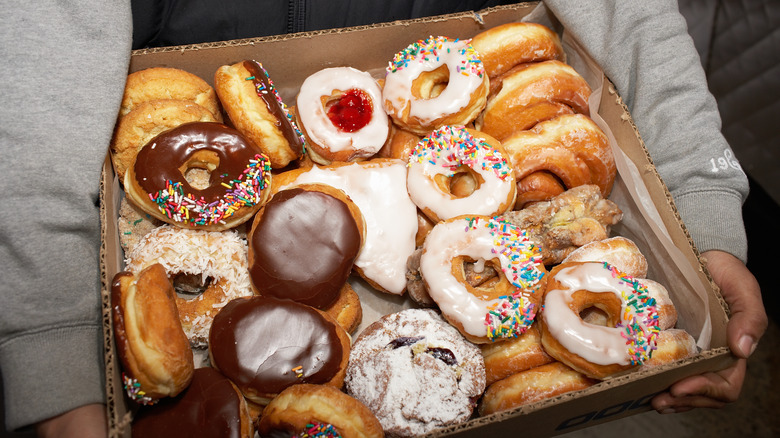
(484, 313)
(451, 152)
(341, 112)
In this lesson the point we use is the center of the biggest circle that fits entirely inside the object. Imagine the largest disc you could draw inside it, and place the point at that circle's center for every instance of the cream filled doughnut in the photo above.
(631, 331)
(417, 73)
(218, 256)
(341, 114)
(450, 153)
(500, 309)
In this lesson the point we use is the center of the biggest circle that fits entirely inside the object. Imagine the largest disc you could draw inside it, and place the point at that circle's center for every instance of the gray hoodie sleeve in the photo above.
(62, 74)
(644, 48)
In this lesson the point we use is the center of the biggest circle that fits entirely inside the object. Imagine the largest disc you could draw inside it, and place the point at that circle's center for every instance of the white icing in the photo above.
(462, 83)
(379, 191)
(313, 115)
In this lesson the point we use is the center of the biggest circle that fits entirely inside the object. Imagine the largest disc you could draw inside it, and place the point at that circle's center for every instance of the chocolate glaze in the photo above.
(261, 82)
(159, 161)
(303, 247)
(209, 407)
(259, 342)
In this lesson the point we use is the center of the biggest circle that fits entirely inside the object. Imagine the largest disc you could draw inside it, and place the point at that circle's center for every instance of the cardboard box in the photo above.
(650, 217)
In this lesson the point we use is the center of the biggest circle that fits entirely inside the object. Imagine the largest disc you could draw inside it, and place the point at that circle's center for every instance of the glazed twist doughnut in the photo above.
(569, 150)
(505, 46)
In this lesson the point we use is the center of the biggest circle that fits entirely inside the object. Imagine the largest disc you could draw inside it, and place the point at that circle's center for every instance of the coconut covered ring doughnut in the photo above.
(210, 407)
(318, 410)
(168, 83)
(415, 372)
(456, 171)
(502, 47)
(341, 113)
(146, 121)
(299, 344)
(255, 108)
(219, 258)
(238, 183)
(155, 353)
(502, 308)
(434, 82)
(303, 244)
(626, 340)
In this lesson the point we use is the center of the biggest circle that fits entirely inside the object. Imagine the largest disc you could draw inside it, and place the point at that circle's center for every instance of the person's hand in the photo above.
(88, 421)
(747, 324)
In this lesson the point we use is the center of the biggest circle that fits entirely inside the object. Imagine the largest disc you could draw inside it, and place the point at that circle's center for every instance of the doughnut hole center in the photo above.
(190, 286)
(597, 308)
(483, 278)
(198, 168)
(430, 84)
(463, 183)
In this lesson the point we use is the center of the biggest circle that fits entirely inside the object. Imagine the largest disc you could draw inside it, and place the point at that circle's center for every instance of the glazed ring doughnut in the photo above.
(505, 46)
(220, 258)
(599, 352)
(238, 185)
(415, 93)
(340, 112)
(532, 385)
(154, 351)
(146, 121)
(297, 344)
(255, 108)
(618, 251)
(318, 411)
(532, 93)
(511, 356)
(168, 83)
(456, 171)
(503, 308)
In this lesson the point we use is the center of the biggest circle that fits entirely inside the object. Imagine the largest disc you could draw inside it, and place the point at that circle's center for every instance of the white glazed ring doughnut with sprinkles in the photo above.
(631, 331)
(434, 82)
(456, 171)
(497, 309)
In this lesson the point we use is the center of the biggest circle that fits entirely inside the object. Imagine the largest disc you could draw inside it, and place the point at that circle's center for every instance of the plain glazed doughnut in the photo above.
(503, 308)
(220, 258)
(532, 93)
(341, 113)
(318, 411)
(155, 353)
(210, 407)
(618, 251)
(146, 121)
(446, 160)
(532, 385)
(415, 372)
(629, 336)
(168, 83)
(502, 47)
(434, 82)
(513, 355)
(256, 110)
(263, 345)
(239, 177)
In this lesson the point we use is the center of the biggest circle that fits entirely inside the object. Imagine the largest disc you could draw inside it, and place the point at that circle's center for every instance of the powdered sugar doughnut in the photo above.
(218, 256)
(505, 308)
(341, 114)
(450, 154)
(415, 372)
(413, 92)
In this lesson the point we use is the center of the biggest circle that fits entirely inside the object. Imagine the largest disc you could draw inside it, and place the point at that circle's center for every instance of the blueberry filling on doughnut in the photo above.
(443, 354)
(404, 341)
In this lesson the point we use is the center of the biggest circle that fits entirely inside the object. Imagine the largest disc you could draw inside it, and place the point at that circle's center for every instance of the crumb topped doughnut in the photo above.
(341, 114)
(238, 185)
(415, 372)
(498, 309)
(450, 157)
(168, 83)
(255, 108)
(434, 82)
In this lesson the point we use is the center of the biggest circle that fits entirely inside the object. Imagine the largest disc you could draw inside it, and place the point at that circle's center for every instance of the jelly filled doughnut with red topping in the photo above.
(264, 344)
(255, 108)
(238, 182)
(434, 82)
(341, 114)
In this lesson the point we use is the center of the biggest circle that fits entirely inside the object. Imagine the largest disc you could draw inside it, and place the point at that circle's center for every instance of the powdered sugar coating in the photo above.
(415, 372)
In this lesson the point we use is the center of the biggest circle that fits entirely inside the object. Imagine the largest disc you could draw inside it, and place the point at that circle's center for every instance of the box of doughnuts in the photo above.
(435, 227)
